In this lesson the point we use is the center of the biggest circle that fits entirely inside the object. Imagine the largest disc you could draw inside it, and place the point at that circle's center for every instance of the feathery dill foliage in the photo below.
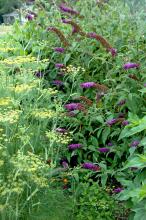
(72, 112)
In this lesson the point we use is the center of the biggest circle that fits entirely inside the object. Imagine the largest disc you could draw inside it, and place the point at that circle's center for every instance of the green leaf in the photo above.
(100, 119)
(105, 134)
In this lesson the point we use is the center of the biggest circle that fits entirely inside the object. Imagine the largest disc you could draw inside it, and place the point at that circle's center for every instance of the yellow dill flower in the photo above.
(10, 116)
(74, 70)
(22, 88)
(6, 49)
(18, 60)
(43, 113)
(5, 101)
(48, 92)
(58, 138)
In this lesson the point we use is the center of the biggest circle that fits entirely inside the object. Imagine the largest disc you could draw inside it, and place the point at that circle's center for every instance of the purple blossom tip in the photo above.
(73, 106)
(71, 114)
(90, 166)
(131, 65)
(135, 143)
(113, 51)
(111, 122)
(39, 74)
(61, 130)
(29, 17)
(103, 149)
(92, 35)
(74, 146)
(122, 102)
(110, 144)
(65, 164)
(66, 21)
(64, 8)
(144, 84)
(59, 50)
(59, 65)
(88, 84)
(125, 122)
(57, 82)
(118, 190)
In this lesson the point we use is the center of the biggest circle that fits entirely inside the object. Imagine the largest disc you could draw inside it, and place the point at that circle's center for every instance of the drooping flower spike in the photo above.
(103, 41)
(90, 166)
(103, 149)
(59, 65)
(59, 50)
(71, 11)
(75, 27)
(111, 122)
(59, 34)
(129, 65)
(74, 146)
(74, 106)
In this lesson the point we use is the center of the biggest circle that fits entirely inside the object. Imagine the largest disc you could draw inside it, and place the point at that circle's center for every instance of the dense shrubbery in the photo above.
(72, 113)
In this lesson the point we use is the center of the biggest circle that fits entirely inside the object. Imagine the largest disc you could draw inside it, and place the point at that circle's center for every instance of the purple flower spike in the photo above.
(124, 123)
(90, 166)
(122, 102)
(59, 50)
(135, 143)
(73, 106)
(71, 114)
(110, 144)
(74, 30)
(61, 130)
(66, 21)
(74, 146)
(39, 74)
(118, 190)
(130, 65)
(111, 122)
(65, 164)
(113, 51)
(57, 82)
(88, 84)
(92, 35)
(103, 149)
(59, 65)
(68, 10)
(29, 17)
(144, 84)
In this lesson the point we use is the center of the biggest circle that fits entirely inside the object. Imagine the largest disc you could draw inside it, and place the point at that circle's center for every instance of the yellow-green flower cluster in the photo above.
(58, 137)
(18, 60)
(74, 70)
(5, 101)
(32, 167)
(22, 88)
(12, 186)
(6, 49)
(48, 92)
(9, 116)
(43, 113)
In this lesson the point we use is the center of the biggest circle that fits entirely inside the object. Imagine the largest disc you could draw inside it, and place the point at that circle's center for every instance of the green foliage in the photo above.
(33, 106)
(95, 203)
